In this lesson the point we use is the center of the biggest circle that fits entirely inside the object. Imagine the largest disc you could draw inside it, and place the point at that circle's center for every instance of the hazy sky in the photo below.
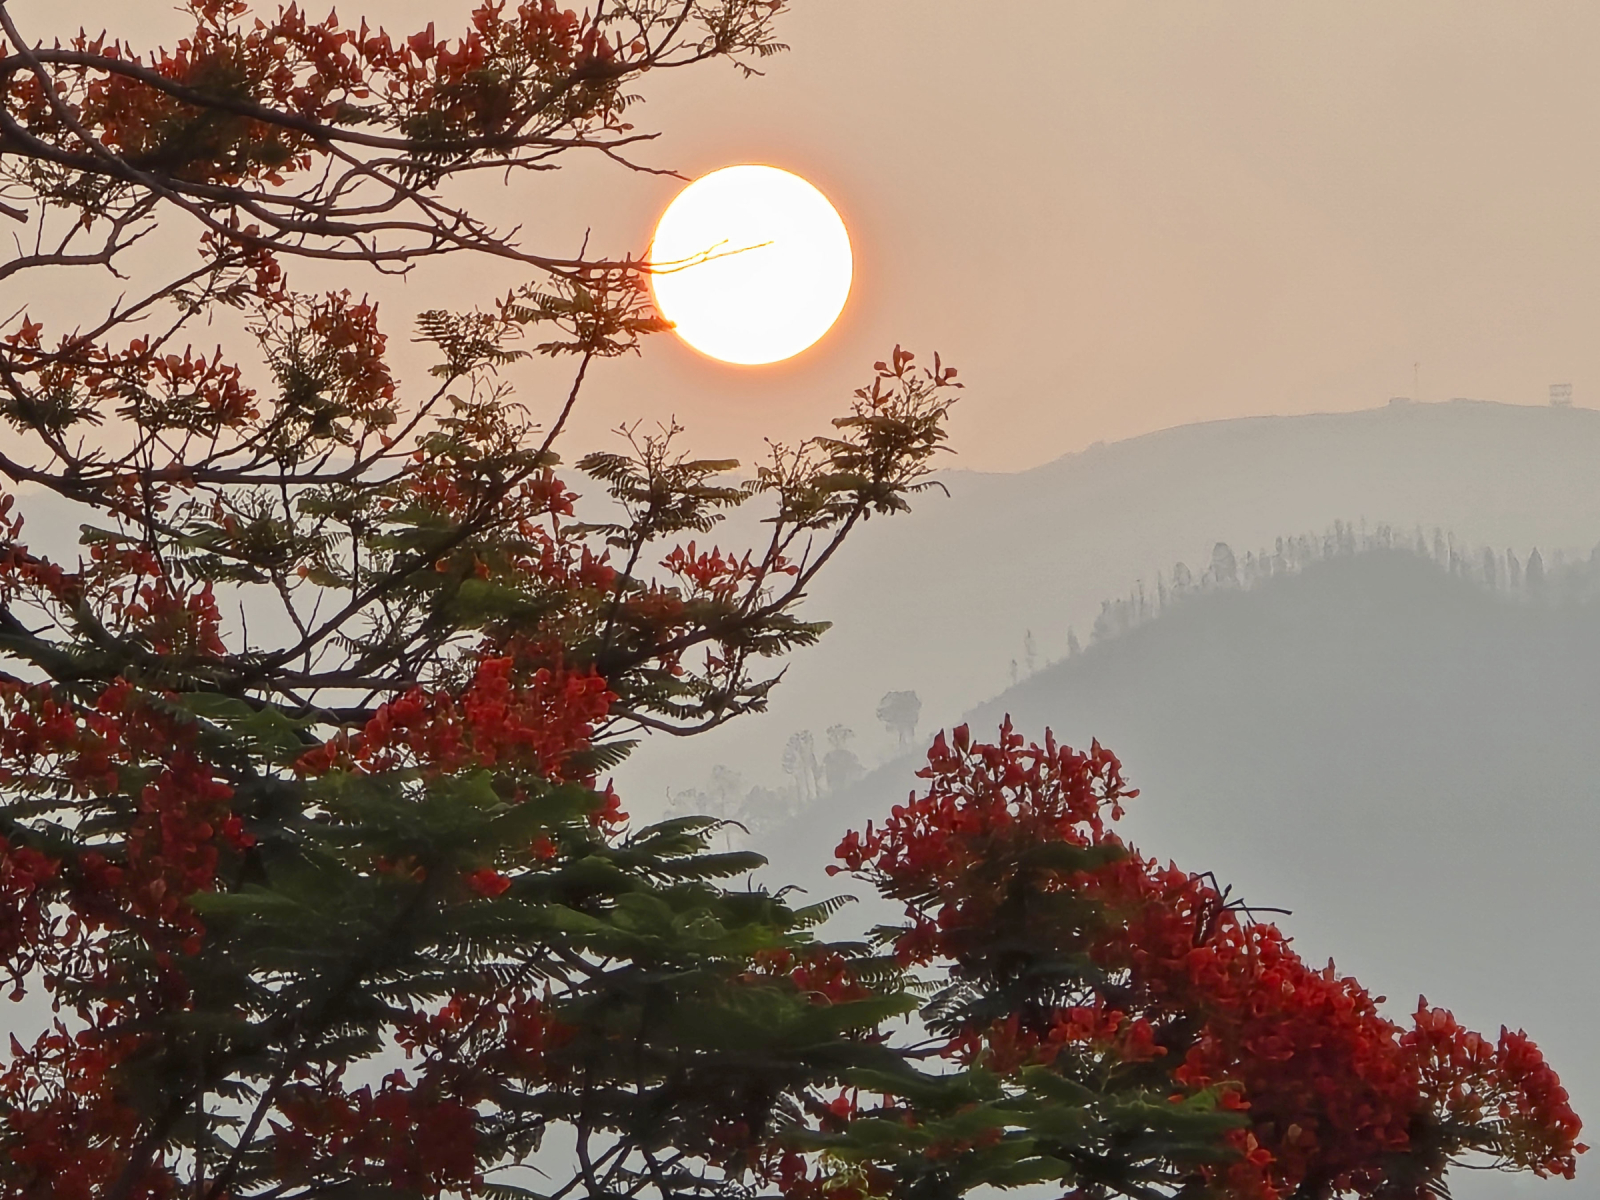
(1117, 217)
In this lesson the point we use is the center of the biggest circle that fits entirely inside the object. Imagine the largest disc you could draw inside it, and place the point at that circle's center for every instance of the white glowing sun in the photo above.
(753, 264)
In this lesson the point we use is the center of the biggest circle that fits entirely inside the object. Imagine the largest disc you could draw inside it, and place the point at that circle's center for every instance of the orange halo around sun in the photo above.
(753, 264)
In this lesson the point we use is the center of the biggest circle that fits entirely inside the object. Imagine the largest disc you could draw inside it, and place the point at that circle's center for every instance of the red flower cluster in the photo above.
(324, 71)
(80, 376)
(69, 1122)
(182, 817)
(341, 336)
(1335, 1092)
(24, 872)
(172, 848)
(720, 576)
(400, 1136)
(175, 620)
(818, 972)
(535, 723)
(1506, 1082)
(489, 1037)
(1096, 1029)
(214, 387)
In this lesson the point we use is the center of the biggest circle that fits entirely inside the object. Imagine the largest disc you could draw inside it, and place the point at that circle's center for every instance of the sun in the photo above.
(753, 264)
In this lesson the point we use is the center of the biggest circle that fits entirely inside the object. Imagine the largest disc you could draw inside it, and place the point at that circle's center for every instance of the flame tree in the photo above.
(303, 830)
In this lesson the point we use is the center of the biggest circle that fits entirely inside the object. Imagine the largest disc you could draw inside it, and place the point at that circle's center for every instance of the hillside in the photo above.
(939, 602)
(1409, 762)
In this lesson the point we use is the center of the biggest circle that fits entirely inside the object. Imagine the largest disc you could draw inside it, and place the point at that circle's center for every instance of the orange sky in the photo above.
(1118, 217)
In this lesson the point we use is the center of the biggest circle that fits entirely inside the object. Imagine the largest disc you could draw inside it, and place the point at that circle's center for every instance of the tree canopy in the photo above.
(305, 832)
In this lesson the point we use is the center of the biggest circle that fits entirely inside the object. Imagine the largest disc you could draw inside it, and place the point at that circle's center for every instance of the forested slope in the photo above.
(939, 603)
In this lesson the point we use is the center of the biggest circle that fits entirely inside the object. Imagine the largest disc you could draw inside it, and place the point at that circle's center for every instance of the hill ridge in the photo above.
(939, 602)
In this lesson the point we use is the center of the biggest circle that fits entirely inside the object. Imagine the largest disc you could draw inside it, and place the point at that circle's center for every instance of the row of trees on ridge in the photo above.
(811, 772)
(1561, 580)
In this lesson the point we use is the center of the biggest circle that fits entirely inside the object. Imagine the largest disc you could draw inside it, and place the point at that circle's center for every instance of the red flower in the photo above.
(538, 722)
(488, 882)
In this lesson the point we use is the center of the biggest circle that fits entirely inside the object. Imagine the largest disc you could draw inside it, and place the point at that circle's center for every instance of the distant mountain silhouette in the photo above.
(940, 602)
(1407, 760)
